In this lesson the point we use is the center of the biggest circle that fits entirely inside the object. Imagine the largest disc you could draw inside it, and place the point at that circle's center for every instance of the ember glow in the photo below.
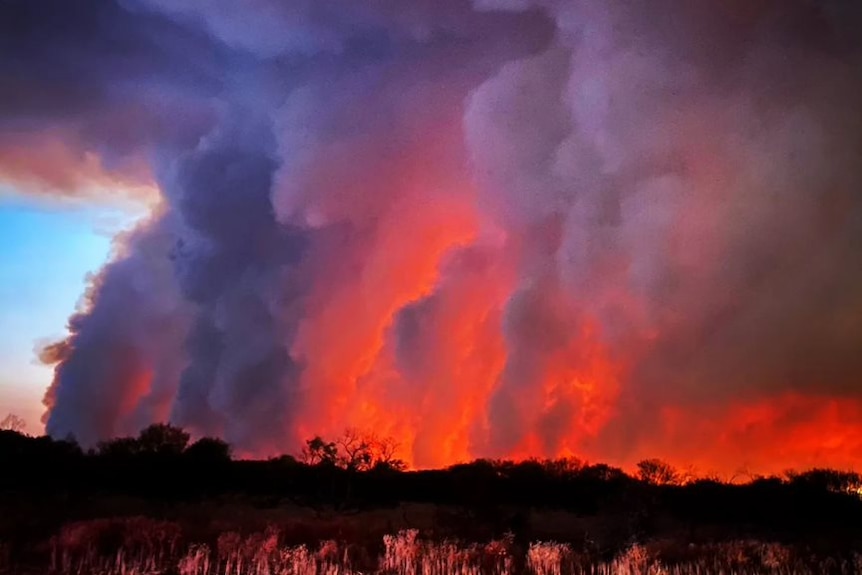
(489, 228)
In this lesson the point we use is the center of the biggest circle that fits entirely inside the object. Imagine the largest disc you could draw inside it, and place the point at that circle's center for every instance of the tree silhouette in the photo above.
(564, 466)
(209, 450)
(827, 479)
(319, 452)
(353, 451)
(13, 423)
(158, 439)
(657, 472)
(163, 439)
(121, 447)
(386, 454)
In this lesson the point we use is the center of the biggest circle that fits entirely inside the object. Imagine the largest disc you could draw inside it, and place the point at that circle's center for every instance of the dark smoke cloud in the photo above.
(236, 267)
(495, 228)
(90, 78)
(120, 369)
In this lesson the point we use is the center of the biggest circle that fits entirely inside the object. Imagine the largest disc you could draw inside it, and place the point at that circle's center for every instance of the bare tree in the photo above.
(13, 423)
(386, 454)
(657, 472)
(354, 451)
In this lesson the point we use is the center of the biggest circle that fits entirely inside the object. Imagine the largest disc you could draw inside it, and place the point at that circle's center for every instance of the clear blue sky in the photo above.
(48, 248)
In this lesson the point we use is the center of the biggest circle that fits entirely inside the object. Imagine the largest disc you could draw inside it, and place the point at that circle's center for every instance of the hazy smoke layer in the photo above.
(499, 228)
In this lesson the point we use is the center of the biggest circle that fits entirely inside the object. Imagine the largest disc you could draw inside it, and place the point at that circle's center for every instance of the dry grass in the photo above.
(140, 546)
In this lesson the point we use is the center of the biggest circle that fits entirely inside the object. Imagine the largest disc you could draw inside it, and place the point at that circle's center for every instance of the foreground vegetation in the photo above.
(139, 546)
(157, 503)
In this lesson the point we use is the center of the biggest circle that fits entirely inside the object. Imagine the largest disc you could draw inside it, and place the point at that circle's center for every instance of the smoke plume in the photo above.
(498, 228)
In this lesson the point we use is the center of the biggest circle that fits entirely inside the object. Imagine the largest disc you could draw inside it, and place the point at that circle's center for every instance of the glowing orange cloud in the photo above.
(344, 342)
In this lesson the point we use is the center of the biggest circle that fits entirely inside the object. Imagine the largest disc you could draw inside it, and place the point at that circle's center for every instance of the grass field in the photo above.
(139, 546)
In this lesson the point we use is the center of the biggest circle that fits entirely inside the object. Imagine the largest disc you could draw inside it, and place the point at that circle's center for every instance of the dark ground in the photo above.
(198, 494)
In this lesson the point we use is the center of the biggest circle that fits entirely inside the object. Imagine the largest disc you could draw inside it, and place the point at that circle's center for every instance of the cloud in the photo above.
(43, 166)
(486, 228)
(91, 92)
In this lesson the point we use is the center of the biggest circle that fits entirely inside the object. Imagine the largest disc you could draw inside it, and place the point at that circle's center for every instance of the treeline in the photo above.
(354, 472)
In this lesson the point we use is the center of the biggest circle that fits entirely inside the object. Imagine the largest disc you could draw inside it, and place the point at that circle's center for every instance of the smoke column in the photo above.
(498, 228)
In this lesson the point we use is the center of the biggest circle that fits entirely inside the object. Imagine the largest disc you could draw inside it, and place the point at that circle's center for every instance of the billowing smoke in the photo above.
(499, 228)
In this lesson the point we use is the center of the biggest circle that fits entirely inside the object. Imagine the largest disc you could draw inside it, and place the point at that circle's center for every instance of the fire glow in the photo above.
(487, 229)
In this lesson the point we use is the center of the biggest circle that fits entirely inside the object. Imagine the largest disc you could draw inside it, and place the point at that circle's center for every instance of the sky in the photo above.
(607, 229)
